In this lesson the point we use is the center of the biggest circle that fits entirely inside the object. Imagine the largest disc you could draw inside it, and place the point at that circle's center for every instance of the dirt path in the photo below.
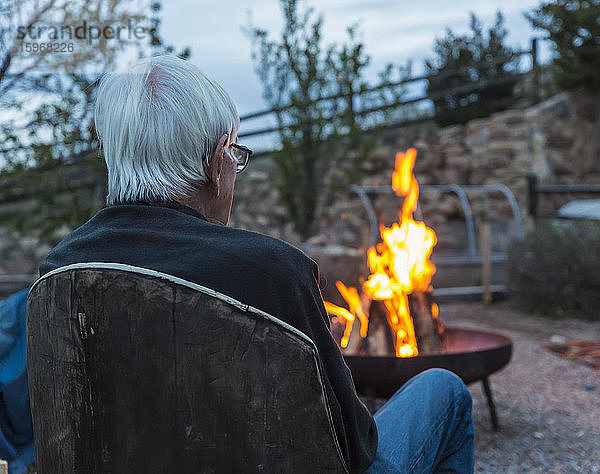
(549, 407)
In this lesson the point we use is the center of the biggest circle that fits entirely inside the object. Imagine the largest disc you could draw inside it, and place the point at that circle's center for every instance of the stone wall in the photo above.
(558, 140)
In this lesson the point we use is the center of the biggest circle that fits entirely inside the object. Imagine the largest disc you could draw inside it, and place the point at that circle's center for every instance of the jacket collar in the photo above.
(164, 203)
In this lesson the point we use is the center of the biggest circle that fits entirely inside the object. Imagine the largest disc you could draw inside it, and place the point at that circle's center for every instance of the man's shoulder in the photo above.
(279, 255)
(262, 241)
(118, 230)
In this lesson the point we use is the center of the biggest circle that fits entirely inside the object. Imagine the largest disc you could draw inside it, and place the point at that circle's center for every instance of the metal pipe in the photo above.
(455, 188)
(567, 188)
(469, 222)
(510, 197)
(459, 190)
(466, 259)
(373, 224)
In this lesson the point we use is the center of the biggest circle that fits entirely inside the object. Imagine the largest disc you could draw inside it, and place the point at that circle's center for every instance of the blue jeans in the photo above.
(426, 426)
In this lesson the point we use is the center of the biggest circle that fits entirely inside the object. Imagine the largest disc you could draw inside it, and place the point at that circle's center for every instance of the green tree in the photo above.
(574, 28)
(317, 95)
(31, 21)
(46, 77)
(467, 62)
(50, 153)
(62, 126)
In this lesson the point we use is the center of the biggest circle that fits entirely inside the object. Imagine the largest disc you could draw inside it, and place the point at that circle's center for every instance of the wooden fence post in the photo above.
(532, 202)
(486, 262)
(536, 71)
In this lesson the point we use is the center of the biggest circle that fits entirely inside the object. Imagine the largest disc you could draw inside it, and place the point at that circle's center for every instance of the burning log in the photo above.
(380, 339)
(429, 339)
(356, 344)
(398, 290)
(379, 336)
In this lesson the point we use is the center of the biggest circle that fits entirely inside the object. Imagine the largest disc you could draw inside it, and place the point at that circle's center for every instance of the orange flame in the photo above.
(399, 265)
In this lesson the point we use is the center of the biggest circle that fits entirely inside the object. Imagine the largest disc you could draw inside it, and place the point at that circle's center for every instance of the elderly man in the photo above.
(169, 138)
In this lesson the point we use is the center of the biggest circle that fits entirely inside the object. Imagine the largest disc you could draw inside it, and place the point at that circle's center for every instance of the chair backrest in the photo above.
(132, 370)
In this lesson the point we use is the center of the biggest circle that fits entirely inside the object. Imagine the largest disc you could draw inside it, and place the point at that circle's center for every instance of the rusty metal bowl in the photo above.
(472, 355)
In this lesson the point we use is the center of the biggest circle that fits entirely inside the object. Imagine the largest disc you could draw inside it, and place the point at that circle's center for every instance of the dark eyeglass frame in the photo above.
(242, 158)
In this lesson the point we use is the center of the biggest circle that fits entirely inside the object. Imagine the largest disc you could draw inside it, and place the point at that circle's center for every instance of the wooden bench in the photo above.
(132, 370)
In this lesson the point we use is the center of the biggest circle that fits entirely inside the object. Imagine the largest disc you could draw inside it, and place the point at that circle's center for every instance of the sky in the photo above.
(392, 31)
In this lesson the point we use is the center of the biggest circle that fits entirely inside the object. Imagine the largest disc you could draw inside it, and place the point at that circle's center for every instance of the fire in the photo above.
(399, 265)
(353, 299)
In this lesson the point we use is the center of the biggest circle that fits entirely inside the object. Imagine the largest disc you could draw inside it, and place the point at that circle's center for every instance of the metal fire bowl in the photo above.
(470, 354)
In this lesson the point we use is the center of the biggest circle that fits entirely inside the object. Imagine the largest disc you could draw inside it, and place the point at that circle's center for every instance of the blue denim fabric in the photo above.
(426, 426)
(16, 431)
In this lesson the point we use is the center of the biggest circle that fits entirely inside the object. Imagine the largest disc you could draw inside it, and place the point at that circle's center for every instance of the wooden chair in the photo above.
(132, 370)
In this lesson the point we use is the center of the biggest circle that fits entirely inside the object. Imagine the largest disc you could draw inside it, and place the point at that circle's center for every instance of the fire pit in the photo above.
(398, 315)
(472, 355)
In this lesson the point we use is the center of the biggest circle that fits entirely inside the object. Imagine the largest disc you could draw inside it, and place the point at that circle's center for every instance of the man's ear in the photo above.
(215, 167)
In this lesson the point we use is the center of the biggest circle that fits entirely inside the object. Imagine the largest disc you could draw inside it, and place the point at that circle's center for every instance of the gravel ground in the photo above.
(548, 407)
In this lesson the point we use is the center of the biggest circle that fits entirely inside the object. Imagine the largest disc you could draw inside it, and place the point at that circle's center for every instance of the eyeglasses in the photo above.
(241, 154)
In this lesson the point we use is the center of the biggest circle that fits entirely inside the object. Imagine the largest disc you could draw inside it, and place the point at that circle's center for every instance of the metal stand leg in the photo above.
(490, 400)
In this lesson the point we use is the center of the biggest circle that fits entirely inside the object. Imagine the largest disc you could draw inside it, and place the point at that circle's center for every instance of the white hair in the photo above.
(158, 123)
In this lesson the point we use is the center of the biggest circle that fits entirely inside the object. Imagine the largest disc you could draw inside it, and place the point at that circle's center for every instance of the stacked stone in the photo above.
(556, 139)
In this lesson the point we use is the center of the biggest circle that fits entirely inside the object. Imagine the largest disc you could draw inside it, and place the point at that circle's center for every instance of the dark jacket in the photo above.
(253, 268)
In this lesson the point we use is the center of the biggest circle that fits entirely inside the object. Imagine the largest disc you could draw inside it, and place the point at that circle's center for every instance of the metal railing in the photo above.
(534, 189)
(460, 191)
